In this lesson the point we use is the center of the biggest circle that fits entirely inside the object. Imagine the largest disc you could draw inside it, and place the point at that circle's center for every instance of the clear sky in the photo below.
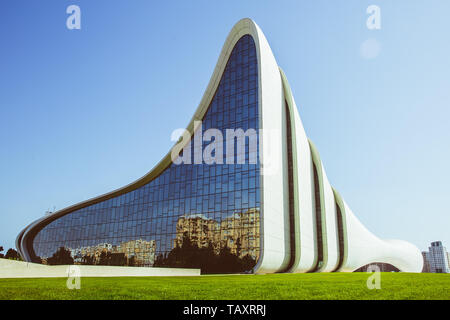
(83, 112)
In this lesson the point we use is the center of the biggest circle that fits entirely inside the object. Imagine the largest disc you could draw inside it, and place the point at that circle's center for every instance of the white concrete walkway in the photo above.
(19, 269)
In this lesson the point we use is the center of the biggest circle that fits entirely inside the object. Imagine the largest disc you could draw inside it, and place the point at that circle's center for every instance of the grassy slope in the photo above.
(275, 286)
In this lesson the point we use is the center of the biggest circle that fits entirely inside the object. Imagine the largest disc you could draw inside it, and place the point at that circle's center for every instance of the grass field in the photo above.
(274, 286)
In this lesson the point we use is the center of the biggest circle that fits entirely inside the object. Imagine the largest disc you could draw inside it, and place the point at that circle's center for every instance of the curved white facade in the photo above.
(360, 246)
(305, 225)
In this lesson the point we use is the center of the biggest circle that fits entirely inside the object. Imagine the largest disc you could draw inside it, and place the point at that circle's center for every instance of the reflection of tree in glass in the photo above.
(61, 256)
(107, 258)
(190, 255)
(88, 260)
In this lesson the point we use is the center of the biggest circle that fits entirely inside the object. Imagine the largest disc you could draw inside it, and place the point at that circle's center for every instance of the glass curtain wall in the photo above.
(192, 215)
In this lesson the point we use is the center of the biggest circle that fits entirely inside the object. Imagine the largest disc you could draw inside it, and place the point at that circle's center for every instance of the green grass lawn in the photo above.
(273, 286)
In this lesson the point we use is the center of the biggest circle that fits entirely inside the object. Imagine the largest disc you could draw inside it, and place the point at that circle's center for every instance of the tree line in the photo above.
(10, 254)
(190, 255)
(63, 256)
(186, 255)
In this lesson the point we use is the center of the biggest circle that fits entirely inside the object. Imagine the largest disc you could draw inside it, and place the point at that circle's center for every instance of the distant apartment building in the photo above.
(436, 258)
(426, 263)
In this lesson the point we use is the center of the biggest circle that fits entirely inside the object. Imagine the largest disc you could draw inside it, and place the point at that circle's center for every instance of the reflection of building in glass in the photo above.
(201, 231)
(143, 252)
(239, 232)
(278, 213)
(93, 251)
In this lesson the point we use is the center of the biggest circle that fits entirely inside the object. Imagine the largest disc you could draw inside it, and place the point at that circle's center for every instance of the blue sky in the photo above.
(83, 112)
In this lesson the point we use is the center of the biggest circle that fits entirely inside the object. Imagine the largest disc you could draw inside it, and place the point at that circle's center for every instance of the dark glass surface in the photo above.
(384, 267)
(190, 211)
(340, 224)
(318, 219)
(291, 186)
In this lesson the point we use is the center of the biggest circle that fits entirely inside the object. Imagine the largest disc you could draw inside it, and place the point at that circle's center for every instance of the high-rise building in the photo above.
(426, 263)
(244, 174)
(437, 257)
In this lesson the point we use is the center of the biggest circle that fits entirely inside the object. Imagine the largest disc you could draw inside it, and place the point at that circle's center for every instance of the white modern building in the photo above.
(278, 215)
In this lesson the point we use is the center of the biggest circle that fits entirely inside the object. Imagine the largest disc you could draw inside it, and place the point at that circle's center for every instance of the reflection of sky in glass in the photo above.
(214, 191)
